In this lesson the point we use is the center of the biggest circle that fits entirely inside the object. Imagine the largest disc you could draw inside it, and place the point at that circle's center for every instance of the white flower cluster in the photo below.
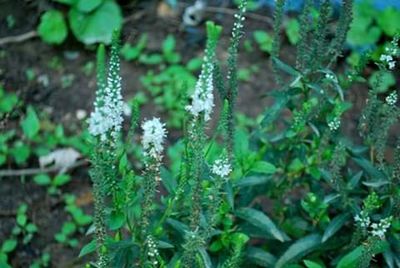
(363, 219)
(379, 229)
(222, 168)
(203, 97)
(153, 137)
(152, 249)
(334, 124)
(391, 99)
(238, 25)
(107, 115)
(390, 52)
(376, 229)
(388, 59)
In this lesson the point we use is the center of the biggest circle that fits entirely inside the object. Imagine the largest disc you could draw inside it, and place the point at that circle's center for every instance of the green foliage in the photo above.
(264, 41)
(91, 21)
(52, 27)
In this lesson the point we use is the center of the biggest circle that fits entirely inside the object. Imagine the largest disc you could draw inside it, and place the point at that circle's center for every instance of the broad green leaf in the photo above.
(335, 226)
(352, 259)
(260, 257)
(386, 80)
(52, 27)
(22, 219)
(68, 228)
(293, 31)
(98, 25)
(264, 40)
(117, 220)
(42, 179)
(299, 249)
(87, 5)
(8, 102)
(20, 152)
(263, 167)
(9, 245)
(262, 221)
(388, 21)
(30, 125)
(61, 179)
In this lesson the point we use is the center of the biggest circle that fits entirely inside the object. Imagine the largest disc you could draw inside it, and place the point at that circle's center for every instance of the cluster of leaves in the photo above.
(23, 229)
(91, 21)
(168, 81)
(35, 137)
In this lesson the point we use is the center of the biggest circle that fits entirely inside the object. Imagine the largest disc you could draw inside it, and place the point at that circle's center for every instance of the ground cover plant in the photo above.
(298, 185)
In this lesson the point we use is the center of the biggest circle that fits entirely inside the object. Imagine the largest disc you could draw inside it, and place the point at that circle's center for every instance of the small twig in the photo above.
(18, 38)
(34, 171)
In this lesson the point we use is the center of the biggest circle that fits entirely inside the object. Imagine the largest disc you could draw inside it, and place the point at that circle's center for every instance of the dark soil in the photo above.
(62, 103)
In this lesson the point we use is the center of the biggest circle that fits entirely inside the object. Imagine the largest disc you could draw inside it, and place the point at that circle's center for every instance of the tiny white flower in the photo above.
(154, 134)
(391, 99)
(334, 124)
(222, 168)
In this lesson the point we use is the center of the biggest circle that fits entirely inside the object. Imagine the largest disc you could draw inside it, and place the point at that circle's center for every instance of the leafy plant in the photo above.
(91, 21)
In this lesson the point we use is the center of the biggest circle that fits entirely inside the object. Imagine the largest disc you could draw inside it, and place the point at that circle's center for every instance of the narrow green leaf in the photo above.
(88, 248)
(252, 181)
(262, 221)
(335, 226)
(260, 257)
(299, 249)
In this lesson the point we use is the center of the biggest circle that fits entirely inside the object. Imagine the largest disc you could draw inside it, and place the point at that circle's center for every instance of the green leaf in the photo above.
(30, 125)
(21, 219)
(168, 44)
(311, 264)
(61, 179)
(88, 248)
(9, 245)
(285, 67)
(20, 152)
(299, 249)
(206, 258)
(260, 257)
(252, 181)
(264, 40)
(8, 102)
(68, 228)
(368, 167)
(60, 237)
(335, 226)
(88, 5)
(388, 21)
(42, 179)
(52, 27)
(353, 258)
(262, 221)
(31, 228)
(117, 220)
(98, 25)
(386, 81)
(293, 31)
(263, 167)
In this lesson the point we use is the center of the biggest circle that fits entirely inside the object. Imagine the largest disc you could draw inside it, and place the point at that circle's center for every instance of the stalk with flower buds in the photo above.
(105, 124)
